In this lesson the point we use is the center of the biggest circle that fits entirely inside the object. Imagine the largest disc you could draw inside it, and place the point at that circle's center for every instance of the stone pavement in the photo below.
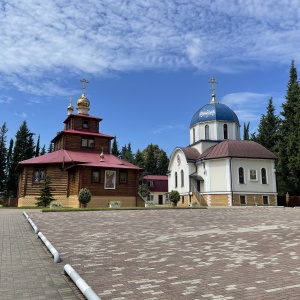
(217, 253)
(27, 270)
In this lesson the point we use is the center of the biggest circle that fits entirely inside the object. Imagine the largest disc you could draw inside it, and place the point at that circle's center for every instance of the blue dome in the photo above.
(214, 112)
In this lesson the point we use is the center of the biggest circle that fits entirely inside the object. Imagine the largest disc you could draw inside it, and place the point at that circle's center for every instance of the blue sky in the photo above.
(148, 63)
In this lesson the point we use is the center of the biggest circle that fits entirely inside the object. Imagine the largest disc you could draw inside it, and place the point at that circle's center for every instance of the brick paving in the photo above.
(26, 270)
(217, 253)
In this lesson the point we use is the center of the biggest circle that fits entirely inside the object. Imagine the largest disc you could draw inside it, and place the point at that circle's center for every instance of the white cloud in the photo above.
(5, 99)
(168, 127)
(21, 115)
(44, 41)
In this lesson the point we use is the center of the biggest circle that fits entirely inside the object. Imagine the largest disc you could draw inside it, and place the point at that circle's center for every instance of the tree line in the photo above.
(153, 159)
(281, 135)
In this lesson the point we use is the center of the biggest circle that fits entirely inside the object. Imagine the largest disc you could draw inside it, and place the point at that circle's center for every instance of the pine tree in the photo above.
(37, 148)
(9, 170)
(163, 163)
(114, 149)
(3, 158)
(46, 196)
(246, 131)
(150, 161)
(268, 129)
(288, 168)
(23, 149)
(50, 148)
(43, 151)
(139, 159)
(126, 153)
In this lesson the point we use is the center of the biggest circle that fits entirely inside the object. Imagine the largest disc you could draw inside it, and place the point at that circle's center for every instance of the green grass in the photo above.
(121, 208)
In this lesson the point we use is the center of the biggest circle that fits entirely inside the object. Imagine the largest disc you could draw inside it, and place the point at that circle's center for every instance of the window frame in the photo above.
(264, 177)
(85, 124)
(182, 178)
(95, 179)
(265, 197)
(251, 173)
(87, 142)
(225, 132)
(39, 170)
(245, 199)
(123, 177)
(206, 132)
(176, 180)
(241, 177)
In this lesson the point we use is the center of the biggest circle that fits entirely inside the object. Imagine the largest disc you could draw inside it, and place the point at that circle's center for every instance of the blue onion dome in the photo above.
(214, 111)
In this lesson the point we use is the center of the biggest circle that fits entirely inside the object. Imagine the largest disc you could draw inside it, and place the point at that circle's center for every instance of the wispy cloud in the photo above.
(247, 106)
(5, 99)
(168, 127)
(22, 115)
(46, 42)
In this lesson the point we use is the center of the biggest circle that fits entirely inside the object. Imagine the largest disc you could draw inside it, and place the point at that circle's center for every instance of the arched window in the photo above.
(225, 131)
(241, 175)
(182, 178)
(206, 132)
(194, 136)
(263, 176)
(175, 179)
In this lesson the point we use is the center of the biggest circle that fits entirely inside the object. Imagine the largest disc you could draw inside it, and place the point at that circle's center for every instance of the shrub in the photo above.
(84, 196)
(174, 196)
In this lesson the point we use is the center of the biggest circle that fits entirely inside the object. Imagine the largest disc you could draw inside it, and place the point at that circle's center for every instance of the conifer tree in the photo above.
(114, 149)
(23, 149)
(43, 150)
(150, 161)
(246, 131)
(139, 159)
(3, 158)
(268, 129)
(46, 196)
(50, 148)
(288, 168)
(37, 147)
(9, 170)
(163, 163)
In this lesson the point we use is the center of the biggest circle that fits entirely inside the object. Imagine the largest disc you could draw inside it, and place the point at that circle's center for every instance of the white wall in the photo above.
(254, 185)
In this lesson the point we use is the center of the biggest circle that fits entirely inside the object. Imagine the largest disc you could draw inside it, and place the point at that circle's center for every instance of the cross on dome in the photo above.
(213, 82)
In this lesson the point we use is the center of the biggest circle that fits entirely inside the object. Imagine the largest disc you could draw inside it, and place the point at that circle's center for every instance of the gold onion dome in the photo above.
(70, 107)
(83, 102)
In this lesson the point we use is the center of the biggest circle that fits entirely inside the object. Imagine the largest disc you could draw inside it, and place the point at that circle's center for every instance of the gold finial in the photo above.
(84, 85)
(213, 82)
(102, 156)
(70, 107)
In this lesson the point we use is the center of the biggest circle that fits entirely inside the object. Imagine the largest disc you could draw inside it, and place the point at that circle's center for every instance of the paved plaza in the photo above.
(215, 253)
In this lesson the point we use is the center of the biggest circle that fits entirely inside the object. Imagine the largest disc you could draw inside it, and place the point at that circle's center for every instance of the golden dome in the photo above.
(83, 102)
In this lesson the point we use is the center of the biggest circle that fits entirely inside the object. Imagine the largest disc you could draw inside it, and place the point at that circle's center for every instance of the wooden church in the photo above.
(81, 159)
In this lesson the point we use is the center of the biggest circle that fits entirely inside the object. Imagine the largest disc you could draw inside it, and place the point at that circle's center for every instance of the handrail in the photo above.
(81, 284)
(50, 248)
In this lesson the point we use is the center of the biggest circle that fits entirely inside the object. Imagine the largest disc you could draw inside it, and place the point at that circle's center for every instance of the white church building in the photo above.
(218, 168)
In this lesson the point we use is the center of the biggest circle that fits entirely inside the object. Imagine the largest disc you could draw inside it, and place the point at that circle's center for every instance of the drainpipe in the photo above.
(230, 169)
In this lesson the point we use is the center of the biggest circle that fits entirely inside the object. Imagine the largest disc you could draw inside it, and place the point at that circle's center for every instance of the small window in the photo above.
(175, 179)
(150, 183)
(182, 178)
(89, 143)
(206, 132)
(39, 175)
(150, 198)
(241, 176)
(123, 177)
(225, 130)
(242, 199)
(95, 176)
(253, 174)
(265, 200)
(182, 199)
(263, 176)
(85, 124)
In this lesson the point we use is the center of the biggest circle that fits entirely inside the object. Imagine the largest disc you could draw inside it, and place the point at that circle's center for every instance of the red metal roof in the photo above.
(80, 158)
(233, 148)
(160, 183)
(82, 116)
(81, 132)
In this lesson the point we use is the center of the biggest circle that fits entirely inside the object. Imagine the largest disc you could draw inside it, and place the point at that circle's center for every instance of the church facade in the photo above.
(81, 159)
(218, 168)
